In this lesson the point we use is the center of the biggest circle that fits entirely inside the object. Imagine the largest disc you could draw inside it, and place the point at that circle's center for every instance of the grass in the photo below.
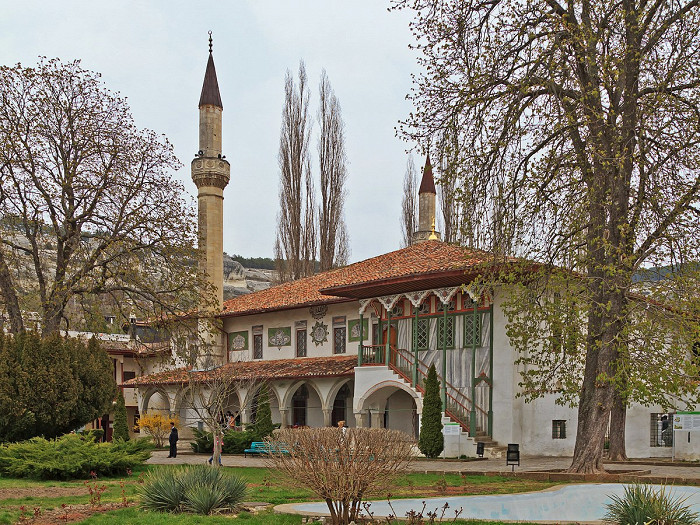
(263, 485)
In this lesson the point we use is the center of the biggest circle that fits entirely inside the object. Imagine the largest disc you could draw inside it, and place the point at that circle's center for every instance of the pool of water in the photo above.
(583, 502)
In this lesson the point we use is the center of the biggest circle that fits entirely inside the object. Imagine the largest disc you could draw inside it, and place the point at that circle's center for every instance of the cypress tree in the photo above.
(263, 426)
(121, 429)
(431, 440)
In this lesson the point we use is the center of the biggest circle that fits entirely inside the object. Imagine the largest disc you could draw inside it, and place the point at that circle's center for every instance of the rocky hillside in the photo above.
(239, 280)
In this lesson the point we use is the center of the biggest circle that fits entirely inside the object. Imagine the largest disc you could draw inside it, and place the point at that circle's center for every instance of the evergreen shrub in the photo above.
(71, 457)
(431, 441)
(263, 426)
(203, 441)
(235, 441)
(93, 434)
(195, 488)
(121, 427)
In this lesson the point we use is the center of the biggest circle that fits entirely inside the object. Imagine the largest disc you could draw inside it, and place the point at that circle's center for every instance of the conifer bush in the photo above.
(263, 426)
(71, 457)
(121, 427)
(195, 488)
(431, 441)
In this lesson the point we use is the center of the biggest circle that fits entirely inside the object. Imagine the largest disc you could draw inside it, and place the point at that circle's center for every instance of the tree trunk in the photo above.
(218, 445)
(596, 393)
(10, 298)
(618, 416)
(592, 423)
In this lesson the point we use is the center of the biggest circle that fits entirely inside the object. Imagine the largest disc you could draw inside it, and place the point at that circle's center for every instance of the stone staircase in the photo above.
(492, 449)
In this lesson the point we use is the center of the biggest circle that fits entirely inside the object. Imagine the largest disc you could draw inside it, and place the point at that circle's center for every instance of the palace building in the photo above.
(354, 343)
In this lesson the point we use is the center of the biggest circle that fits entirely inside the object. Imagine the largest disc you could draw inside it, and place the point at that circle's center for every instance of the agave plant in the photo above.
(197, 488)
(646, 504)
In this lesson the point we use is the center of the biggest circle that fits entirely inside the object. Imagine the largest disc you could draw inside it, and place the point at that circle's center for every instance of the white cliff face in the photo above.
(239, 280)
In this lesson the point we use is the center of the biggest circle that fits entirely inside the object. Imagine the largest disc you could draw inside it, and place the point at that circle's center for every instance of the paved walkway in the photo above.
(656, 468)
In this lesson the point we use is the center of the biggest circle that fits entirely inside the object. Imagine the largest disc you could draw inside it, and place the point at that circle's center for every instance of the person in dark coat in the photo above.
(173, 440)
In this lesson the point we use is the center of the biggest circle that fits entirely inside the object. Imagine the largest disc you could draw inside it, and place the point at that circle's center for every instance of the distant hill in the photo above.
(260, 263)
(243, 275)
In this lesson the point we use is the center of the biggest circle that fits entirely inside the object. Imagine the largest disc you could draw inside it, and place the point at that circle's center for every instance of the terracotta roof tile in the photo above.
(335, 366)
(426, 258)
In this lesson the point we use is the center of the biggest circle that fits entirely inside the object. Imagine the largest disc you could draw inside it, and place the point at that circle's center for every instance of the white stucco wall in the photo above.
(288, 318)
(506, 416)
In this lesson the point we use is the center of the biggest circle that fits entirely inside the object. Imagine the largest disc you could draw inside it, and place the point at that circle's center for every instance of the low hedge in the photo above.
(71, 457)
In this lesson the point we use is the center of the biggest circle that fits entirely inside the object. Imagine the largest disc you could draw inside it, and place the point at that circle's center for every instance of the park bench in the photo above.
(260, 447)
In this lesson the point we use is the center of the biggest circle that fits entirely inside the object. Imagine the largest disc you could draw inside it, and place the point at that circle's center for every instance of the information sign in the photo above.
(451, 429)
(686, 421)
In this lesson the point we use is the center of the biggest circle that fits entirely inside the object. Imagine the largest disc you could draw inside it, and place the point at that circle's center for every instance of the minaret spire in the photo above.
(426, 206)
(210, 89)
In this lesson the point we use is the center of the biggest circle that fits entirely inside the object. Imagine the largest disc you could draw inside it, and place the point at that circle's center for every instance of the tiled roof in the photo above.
(422, 259)
(335, 366)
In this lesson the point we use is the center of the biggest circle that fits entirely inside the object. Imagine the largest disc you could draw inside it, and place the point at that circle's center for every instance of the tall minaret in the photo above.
(211, 173)
(426, 207)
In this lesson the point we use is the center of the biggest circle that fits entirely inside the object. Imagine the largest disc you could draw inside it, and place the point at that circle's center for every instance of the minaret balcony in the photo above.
(211, 172)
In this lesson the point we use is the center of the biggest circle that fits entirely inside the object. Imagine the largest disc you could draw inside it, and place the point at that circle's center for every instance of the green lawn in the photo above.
(263, 484)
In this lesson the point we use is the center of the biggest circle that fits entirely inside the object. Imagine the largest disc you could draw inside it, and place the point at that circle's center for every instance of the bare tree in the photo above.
(448, 188)
(88, 204)
(208, 395)
(341, 465)
(409, 203)
(295, 246)
(333, 239)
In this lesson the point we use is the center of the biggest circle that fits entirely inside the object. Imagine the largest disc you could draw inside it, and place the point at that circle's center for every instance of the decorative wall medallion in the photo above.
(319, 311)
(279, 336)
(238, 340)
(319, 333)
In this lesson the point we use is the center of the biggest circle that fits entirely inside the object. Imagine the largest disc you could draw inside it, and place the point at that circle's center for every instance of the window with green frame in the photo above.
(423, 333)
(448, 332)
(472, 329)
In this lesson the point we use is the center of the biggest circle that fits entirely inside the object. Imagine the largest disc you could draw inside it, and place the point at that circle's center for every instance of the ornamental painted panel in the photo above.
(279, 336)
(319, 333)
(319, 311)
(354, 329)
(238, 340)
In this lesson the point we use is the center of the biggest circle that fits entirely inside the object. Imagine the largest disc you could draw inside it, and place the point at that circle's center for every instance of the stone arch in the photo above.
(286, 400)
(362, 402)
(146, 400)
(315, 409)
(247, 400)
(248, 404)
(340, 403)
(387, 405)
(330, 398)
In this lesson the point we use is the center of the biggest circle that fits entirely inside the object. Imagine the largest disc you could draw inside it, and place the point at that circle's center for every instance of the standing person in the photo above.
(173, 440)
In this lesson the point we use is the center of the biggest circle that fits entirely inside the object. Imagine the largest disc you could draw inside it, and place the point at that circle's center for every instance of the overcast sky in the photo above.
(155, 53)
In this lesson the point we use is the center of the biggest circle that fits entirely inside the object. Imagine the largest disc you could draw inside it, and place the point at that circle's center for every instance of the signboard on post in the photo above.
(451, 429)
(689, 421)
